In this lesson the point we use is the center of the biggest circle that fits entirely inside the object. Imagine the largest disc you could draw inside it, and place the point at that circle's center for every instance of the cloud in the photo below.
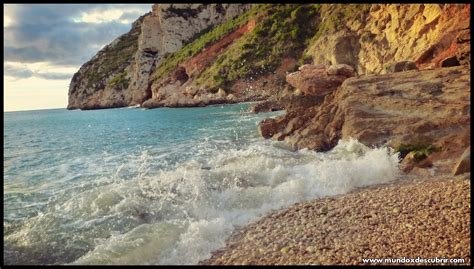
(64, 34)
(19, 71)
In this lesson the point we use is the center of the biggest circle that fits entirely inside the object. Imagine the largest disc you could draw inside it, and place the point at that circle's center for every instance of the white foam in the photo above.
(241, 186)
(181, 213)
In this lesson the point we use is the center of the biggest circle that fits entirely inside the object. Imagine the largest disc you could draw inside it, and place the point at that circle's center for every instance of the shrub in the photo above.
(120, 81)
(421, 151)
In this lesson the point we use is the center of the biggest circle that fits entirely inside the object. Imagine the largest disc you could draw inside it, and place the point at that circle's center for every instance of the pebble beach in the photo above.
(412, 218)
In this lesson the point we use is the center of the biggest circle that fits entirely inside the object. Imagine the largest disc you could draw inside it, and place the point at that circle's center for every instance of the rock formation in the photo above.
(259, 50)
(388, 33)
(118, 75)
(430, 107)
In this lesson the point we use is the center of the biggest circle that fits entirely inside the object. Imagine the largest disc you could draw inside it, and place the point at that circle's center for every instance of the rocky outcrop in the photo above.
(405, 108)
(318, 79)
(171, 91)
(388, 33)
(166, 30)
(103, 81)
(266, 106)
(119, 74)
(314, 81)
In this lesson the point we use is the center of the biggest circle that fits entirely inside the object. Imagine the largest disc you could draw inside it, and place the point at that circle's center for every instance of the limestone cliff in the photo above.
(200, 54)
(371, 37)
(118, 75)
(103, 81)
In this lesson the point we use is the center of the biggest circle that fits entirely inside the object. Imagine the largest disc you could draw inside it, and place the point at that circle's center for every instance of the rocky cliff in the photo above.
(371, 37)
(386, 74)
(118, 75)
(199, 54)
(421, 108)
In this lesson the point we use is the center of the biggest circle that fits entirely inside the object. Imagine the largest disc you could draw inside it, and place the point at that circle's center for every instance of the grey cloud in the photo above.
(58, 76)
(41, 32)
(24, 72)
(17, 72)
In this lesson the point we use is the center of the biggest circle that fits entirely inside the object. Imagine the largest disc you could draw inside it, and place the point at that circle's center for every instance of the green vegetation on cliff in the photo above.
(284, 31)
(200, 41)
(120, 82)
(280, 31)
(115, 60)
(421, 151)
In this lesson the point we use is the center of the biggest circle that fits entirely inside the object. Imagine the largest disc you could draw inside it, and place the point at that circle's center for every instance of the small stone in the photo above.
(324, 210)
(284, 250)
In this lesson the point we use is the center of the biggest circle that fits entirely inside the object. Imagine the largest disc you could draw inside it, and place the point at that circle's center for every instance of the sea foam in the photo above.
(169, 192)
(188, 212)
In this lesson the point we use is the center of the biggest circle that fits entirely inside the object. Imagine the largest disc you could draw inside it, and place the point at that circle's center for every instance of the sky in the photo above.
(45, 44)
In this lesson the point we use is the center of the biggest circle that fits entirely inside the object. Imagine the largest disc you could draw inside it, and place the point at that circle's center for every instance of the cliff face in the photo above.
(195, 54)
(103, 81)
(119, 74)
(372, 38)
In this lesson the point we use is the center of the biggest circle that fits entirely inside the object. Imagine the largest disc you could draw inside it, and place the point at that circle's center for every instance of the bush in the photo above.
(120, 81)
(421, 151)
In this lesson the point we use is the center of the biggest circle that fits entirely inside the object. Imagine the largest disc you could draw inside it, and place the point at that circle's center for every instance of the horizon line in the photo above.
(34, 109)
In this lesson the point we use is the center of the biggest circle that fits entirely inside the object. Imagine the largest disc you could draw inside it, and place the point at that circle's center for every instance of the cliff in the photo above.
(199, 54)
(118, 75)
(411, 89)
(371, 37)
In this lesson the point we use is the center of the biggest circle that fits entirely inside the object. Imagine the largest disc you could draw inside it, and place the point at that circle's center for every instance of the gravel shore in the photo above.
(411, 218)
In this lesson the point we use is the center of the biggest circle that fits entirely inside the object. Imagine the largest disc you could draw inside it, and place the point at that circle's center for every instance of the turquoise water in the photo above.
(161, 186)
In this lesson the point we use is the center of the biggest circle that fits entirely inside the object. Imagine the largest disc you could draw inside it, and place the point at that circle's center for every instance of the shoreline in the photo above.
(411, 217)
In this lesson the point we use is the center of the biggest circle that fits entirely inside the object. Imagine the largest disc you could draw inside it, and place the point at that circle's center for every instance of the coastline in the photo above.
(412, 217)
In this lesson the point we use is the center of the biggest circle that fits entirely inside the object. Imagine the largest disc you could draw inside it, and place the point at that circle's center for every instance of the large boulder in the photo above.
(317, 80)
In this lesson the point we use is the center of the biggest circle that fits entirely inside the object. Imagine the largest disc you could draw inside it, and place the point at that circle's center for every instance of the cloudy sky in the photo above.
(45, 44)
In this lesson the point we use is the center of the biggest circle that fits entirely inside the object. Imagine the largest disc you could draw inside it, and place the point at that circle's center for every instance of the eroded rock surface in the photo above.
(390, 33)
(413, 107)
(319, 79)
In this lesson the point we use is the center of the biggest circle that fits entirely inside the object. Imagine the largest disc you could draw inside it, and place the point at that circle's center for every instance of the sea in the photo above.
(158, 186)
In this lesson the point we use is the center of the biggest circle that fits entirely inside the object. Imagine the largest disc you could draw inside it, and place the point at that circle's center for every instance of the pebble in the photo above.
(435, 222)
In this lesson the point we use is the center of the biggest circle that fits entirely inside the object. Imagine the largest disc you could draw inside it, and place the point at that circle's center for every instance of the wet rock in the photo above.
(266, 106)
(268, 127)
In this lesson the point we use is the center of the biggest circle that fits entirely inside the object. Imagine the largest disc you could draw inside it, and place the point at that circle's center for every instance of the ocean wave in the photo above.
(180, 213)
